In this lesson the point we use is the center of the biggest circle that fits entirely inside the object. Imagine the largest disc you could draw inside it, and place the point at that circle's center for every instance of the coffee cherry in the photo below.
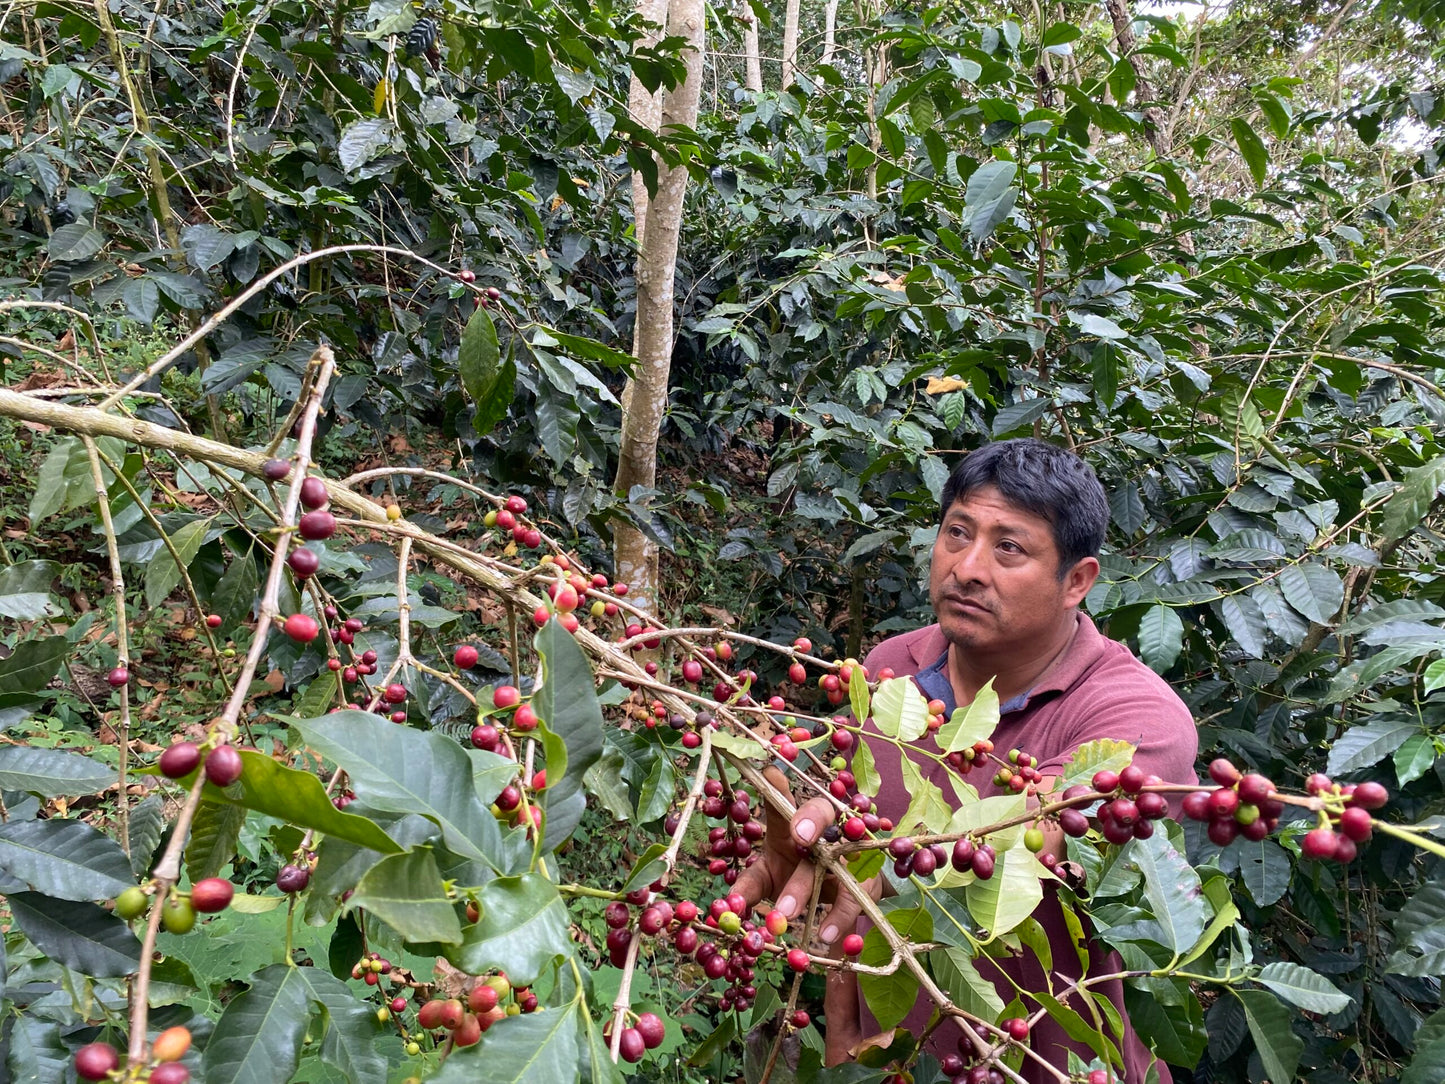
(1073, 823)
(1106, 782)
(1124, 811)
(1196, 805)
(465, 657)
(1017, 1028)
(429, 1016)
(171, 1044)
(275, 469)
(798, 959)
(1131, 780)
(177, 915)
(1034, 840)
(485, 737)
(95, 1060)
(1099, 1076)
(651, 1028)
(901, 847)
(292, 879)
(180, 759)
(925, 862)
(1152, 806)
(170, 1072)
(118, 677)
(468, 1031)
(303, 562)
(302, 628)
(1345, 850)
(213, 621)
(1370, 796)
(1223, 803)
(1355, 823)
(131, 903)
(211, 895)
(852, 944)
(631, 1045)
(777, 923)
(506, 696)
(313, 492)
(482, 999)
(1318, 783)
(525, 718)
(854, 828)
(983, 863)
(317, 526)
(1223, 772)
(1254, 788)
(394, 694)
(223, 765)
(1222, 832)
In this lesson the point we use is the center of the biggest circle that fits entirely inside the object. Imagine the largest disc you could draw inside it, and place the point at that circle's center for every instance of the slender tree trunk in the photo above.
(790, 42)
(645, 397)
(751, 50)
(645, 106)
(830, 31)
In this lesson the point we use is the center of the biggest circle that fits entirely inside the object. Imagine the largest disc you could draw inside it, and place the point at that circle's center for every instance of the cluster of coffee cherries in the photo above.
(466, 1021)
(1244, 804)
(690, 731)
(180, 908)
(645, 1033)
(1130, 814)
(1352, 825)
(730, 845)
(958, 1068)
(523, 719)
(223, 764)
(101, 1061)
(507, 520)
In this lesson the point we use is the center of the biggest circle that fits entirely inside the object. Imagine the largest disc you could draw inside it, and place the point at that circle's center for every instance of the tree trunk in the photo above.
(645, 397)
(830, 31)
(790, 43)
(751, 50)
(645, 106)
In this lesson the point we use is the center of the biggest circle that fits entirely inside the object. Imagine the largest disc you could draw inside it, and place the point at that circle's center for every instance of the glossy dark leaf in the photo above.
(82, 936)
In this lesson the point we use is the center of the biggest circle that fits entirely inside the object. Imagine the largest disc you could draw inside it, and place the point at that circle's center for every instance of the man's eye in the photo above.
(1010, 547)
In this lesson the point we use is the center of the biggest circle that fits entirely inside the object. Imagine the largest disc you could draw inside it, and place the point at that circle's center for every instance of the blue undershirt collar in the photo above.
(933, 680)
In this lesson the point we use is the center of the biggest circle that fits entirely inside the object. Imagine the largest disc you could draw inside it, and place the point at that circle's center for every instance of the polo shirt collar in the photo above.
(931, 655)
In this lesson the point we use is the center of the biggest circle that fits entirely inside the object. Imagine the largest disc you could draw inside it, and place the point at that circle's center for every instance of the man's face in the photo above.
(994, 580)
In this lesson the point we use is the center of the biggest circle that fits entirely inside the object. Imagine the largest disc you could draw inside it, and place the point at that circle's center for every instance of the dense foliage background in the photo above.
(1210, 260)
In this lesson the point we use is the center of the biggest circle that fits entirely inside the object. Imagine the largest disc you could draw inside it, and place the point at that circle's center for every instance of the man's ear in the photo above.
(1079, 580)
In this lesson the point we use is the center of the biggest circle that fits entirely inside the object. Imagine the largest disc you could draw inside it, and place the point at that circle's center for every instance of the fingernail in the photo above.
(830, 934)
(806, 831)
(788, 905)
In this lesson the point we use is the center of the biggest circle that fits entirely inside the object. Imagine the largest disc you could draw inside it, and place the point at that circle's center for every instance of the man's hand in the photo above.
(784, 873)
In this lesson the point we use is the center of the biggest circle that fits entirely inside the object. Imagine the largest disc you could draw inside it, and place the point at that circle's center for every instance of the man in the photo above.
(1016, 553)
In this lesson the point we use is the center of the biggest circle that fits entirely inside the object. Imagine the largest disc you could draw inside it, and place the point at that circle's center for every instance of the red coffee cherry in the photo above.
(303, 562)
(317, 526)
(1223, 772)
(302, 628)
(651, 1028)
(211, 895)
(1370, 796)
(223, 766)
(631, 1045)
(1355, 823)
(118, 677)
(1106, 782)
(313, 492)
(1017, 1028)
(95, 1060)
(1319, 844)
(275, 469)
(465, 657)
(180, 760)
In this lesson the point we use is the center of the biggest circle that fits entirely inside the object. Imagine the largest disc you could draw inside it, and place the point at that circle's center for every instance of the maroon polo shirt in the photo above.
(1097, 689)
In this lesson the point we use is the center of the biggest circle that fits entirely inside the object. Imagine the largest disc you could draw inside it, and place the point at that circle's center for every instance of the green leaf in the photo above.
(1428, 1064)
(1245, 622)
(362, 141)
(1265, 867)
(32, 664)
(522, 928)
(235, 594)
(490, 413)
(258, 1038)
(1161, 637)
(25, 590)
(989, 197)
(899, 709)
(859, 698)
(1409, 505)
(65, 480)
(1414, 758)
(1093, 757)
(567, 703)
(1010, 895)
(1251, 147)
(1269, 1023)
(526, 1049)
(955, 972)
(1302, 987)
(215, 834)
(1361, 746)
(890, 997)
(864, 773)
(971, 724)
(1313, 590)
(298, 798)
(82, 936)
(349, 1046)
(75, 242)
(926, 804)
(1434, 676)
(405, 891)
(400, 770)
(49, 773)
(478, 356)
(162, 574)
(17, 707)
(1175, 1032)
(1174, 892)
(67, 859)
(146, 825)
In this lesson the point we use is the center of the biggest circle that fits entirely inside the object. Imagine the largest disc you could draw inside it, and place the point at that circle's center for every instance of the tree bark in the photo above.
(645, 106)
(790, 43)
(751, 50)
(645, 397)
(830, 31)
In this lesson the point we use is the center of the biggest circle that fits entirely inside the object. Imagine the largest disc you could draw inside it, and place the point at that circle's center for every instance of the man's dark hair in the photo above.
(1048, 481)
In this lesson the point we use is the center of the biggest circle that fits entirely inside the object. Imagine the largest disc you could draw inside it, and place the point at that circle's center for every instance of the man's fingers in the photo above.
(755, 883)
(840, 919)
(799, 889)
(812, 817)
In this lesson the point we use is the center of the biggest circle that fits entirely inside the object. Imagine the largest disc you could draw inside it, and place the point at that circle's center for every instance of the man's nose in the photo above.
(970, 564)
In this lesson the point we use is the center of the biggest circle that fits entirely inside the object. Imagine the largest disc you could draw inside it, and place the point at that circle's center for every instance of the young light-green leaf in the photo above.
(890, 997)
(971, 724)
